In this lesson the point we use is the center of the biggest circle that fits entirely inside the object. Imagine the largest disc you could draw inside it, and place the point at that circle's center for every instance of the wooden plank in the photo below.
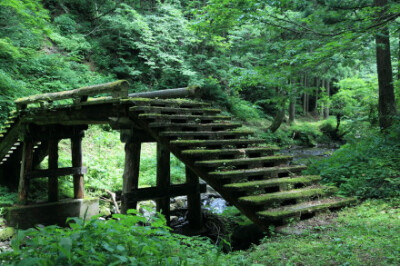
(152, 193)
(57, 172)
(163, 179)
(76, 150)
(26, 167)
(120, 88)
(195, 216)
(131, 171)
(53, 165)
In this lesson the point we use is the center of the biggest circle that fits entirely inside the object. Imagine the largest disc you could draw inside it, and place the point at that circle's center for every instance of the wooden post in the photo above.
(26, 167)
(76, 149)
(53, 164)
(131, 171)
(195, 216)
(163, 179)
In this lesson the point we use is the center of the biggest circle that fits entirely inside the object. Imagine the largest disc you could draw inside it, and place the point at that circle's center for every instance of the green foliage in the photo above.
(367, 166)
(365, 235)
(357, 99)
(7, 198)
(119, 241)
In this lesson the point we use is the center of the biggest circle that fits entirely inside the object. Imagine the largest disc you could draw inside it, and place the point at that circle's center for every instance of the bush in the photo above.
(368, 166)
(119, 241)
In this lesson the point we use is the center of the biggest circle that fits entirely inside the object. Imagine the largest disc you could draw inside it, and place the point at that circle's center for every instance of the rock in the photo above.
(6, 233)
(105, 211)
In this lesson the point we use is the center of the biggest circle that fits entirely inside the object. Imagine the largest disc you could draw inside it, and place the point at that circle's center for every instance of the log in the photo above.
(131, 171)
(169, 93)
(117, 88)
(57, 172)
(26, 166)
(53, 165)
(76, 150)
(163, 179)
(152, 193)
(195, 216)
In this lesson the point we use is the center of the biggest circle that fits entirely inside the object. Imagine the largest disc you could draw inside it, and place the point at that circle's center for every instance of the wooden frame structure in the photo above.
(44, 130)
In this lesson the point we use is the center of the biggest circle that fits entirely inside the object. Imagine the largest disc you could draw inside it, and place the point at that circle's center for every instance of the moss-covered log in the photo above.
(117, 88)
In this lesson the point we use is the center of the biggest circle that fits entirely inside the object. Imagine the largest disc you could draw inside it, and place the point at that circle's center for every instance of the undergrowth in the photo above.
(368, 234)
(367, 166)
(119, 241)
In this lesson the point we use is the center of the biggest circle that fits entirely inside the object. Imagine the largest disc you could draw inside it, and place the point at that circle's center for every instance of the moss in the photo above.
(247, 160)
(305, 207)
(275, 181)
(258, 171)
(291, 194)
(6, 233)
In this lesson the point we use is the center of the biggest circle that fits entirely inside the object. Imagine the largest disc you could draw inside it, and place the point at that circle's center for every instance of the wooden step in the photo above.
(205, 134)
(306, 208)
(174, 110)
(260, 161)
(260, 172)
(254, 185)
(193, 126)
(165, 103)
(235, 153)
(220, 142)
(186, 118)
(295, 194)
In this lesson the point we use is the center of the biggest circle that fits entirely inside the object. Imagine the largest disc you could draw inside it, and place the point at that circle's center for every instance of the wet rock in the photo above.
(6, 233)
(105, 211)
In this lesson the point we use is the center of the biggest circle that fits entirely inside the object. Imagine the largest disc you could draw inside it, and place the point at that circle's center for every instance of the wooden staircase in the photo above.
(247, 173)
(250, 175)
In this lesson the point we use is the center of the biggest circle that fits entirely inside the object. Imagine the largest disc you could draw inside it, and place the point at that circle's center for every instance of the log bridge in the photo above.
(242, 168)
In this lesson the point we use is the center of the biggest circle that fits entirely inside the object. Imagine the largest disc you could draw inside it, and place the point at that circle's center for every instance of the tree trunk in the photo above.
(278, 119)
(387, 103)
(328, 92)
(292, 104)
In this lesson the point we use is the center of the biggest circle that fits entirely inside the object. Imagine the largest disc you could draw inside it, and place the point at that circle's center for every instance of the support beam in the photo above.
(76, 148)
(163, 179)
(195, 216)
(131, 171)
(53, 165)
(26, 166)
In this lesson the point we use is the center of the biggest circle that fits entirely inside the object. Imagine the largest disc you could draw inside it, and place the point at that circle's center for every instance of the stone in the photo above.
(6, 233)
(53, 213)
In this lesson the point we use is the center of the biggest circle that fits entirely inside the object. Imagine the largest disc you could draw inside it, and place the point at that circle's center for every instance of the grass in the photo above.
(368, 234)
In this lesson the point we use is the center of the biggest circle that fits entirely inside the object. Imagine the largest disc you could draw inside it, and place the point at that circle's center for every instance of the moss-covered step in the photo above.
(259, 161)
(262, 172)
(254, 185)
(201, 127)
(219, 142)
(306, 208)
(295, 194)
(217, 153)
(198, 118)
(205, 134)
(175, 110)
(182, 103)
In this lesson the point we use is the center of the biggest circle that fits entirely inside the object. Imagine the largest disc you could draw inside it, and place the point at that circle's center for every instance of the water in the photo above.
(304, 155)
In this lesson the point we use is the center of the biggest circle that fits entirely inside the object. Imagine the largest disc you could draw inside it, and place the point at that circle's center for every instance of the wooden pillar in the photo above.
(53, 164)
(26, 167)
(163, 179)
(131, 171)
(76, 149)
(195, 216)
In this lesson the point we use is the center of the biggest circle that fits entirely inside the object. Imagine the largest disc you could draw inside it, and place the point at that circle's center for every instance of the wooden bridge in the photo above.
(246, 172)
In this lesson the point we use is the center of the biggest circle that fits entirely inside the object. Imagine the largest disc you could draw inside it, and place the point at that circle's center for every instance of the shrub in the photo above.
(368, 166)
(119, 241)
